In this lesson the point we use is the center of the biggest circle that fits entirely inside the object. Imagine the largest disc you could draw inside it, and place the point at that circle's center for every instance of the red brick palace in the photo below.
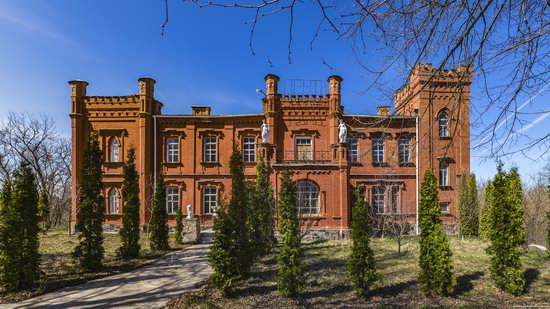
(385, 155)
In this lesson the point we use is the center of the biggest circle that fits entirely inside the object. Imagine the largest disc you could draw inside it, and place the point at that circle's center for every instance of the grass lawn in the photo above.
(60, 270)
(327, 284)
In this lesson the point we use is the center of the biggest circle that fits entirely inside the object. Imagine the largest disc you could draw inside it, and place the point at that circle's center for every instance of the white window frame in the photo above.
(378, 150)
(443, 174)
(249, 149)
(210, 149)
(307, 197)
(114, 202)
(353, 149)
(404, 149)
(379, 199)
(172, 199)
(114, 150)
(172, 149)
(209, 199)
(303, 155)
(445, 207)
(443, 120)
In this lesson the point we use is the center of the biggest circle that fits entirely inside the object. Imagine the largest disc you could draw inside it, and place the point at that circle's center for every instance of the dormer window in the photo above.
(443, 124)
(114, 150)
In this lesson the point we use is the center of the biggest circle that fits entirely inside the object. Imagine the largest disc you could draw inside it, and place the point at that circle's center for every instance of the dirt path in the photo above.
(150, 286)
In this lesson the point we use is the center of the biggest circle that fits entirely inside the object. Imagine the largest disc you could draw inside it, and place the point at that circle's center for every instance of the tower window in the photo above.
(443, 173)
(113, 201)
(443, 124)
(114, 150)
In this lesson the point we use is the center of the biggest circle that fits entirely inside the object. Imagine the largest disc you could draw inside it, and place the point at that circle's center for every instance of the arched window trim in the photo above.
(114, 153)
(308, 196)
(113, 201)
(443, 123)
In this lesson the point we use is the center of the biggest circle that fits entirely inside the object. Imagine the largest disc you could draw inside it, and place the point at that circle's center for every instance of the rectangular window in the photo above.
(172, 199)
(172, 149)
(209, 199)
(249, 149)
(378, 150)
(353, 150)
(378, 199)
(443, 174)
(444, 207)
(404, 150)
(210, 152)
(394, 199)
(304, 149)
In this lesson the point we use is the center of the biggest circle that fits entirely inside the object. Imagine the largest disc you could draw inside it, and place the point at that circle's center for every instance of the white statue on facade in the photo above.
(342, 131)
(189, 211)
(265, 132)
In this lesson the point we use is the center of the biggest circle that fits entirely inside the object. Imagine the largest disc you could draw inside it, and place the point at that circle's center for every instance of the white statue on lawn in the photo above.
(189, 211)
(342, 131)
(265, 132)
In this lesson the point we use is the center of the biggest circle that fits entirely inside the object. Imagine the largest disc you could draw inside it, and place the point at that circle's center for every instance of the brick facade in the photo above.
(192, 151)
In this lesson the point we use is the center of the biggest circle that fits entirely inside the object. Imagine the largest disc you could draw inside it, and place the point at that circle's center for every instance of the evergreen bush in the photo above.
(44, 210)
(485, 217)
(222, 257)
(130, 231)
(361, 264)
(436, 269)
(159, 217)
(178, 230)
(89, 251)
(289, 274)
(474, 206)
(506, 231)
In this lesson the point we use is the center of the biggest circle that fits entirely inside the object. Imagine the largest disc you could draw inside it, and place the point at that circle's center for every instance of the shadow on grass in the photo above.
(392, 290)
(531, 275)
(465, 284)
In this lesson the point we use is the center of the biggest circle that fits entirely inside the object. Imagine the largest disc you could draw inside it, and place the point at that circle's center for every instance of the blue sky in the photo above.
(203, 58)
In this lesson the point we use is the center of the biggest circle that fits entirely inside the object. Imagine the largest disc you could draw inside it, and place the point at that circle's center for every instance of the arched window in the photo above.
(113, 150)
(308, 197)
(113, 201)
(443, 124)
(443, 173)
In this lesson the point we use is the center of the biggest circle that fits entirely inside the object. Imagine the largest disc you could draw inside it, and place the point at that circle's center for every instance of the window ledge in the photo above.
(252, 163)
(113, 164)
(407, 164)
(210, 163)
(380, 164)
(445, 137)
(171, 163)
(445, 187)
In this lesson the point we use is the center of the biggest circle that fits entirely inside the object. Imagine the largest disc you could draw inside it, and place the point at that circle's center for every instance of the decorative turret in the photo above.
(271, 84)
(146, 94)
(78, 92)
(334, 86)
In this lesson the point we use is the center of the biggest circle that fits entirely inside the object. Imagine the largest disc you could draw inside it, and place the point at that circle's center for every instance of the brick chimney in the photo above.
(383, 110)
(200, 110)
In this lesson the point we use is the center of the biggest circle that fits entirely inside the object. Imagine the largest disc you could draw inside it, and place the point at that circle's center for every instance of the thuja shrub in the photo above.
(159, 217)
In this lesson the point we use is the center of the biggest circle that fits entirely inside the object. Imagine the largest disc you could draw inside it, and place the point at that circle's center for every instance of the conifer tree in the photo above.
(237, 211)
(129, 233)
(178, 230)
(89, 213)
(506, 231)
(44, 210)
(20, 259)
(361, 261)
(463, 206)
(289, 274)
(485, 216)
(159, 217)
(474, 206)
(436, 269)
(222, 257)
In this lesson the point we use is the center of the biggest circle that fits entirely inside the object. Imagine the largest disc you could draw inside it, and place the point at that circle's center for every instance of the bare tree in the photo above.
(33, 139)
(536, 204)
(506, 41)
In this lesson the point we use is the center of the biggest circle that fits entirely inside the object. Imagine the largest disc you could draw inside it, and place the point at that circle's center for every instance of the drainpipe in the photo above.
(417, 156)
(155, 151)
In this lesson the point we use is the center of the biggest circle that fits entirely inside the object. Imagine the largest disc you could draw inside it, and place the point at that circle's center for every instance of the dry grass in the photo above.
(327, 284)
(60, 270)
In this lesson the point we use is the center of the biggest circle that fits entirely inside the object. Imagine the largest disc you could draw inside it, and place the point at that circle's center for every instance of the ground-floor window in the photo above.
(308, 197)
(113, 201)
(394, 199)
(444, 207)
(378, 199)
(209, 200)
(172, 200)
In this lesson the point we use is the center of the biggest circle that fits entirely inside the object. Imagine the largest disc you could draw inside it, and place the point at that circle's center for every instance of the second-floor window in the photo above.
(210, 151)
(443, 119)
(209, 199)
(443, 174)
(114, 150)
(378, 150)
(404, 150)
(172, 149)
(304, 149)
(353, 150)
(172, 200)
(249, 149)
(378, 199)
